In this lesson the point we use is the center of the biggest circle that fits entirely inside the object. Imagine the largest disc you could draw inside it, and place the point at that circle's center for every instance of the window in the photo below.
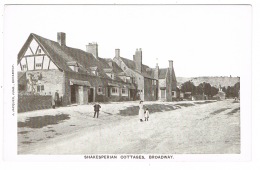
(40, 88)
(38, 65)
(154, 82)
(112, 76)
(24, 67)
(152, 92)
(114, 90)
(39, 51)
(100, 90)
(76, 68)
(124, 92)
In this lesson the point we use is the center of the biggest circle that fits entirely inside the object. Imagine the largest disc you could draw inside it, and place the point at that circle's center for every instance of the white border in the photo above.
(255, 84)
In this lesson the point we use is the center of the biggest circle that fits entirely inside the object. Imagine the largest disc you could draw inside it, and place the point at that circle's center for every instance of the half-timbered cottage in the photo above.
(49, 67)
(74, 76)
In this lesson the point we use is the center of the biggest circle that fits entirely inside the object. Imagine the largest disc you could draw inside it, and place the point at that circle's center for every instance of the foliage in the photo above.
(207, 89)
(214, 91)
(188, 86)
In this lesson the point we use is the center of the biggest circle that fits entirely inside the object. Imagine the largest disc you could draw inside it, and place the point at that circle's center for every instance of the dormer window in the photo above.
(73, 65)
(95, 72)
(112, 76)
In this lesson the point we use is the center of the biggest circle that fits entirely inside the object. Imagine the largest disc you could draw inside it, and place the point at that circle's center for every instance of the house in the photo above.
(49, 67)
(152, 83)
(75, 76)
(167, 83)
(143, 76)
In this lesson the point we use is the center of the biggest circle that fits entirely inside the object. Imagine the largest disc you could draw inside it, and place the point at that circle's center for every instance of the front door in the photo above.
(108, 92)
(73, 94)
(163, 94)
(91, 95)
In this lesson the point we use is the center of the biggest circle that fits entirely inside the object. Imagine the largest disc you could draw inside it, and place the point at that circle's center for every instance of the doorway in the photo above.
(163, 94)
(108, 92)
(73, 90)
(91, 95)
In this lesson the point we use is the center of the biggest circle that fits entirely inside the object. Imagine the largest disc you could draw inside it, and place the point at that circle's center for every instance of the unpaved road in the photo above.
(173, 128)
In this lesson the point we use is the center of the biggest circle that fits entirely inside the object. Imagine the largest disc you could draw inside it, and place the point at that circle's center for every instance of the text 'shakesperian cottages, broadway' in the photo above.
(74, 76)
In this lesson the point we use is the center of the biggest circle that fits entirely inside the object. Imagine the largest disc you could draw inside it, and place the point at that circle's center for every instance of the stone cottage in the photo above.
(49, 67)
(152, 83)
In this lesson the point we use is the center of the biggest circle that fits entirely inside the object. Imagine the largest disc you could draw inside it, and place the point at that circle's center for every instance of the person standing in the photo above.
(56, 98)
(96, 109)
(146, 114)
(141, 111)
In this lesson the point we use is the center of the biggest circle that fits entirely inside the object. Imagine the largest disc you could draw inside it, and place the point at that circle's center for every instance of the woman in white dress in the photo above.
(141, 111)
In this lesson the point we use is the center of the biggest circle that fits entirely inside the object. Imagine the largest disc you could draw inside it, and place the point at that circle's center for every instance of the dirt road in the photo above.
(173, 128)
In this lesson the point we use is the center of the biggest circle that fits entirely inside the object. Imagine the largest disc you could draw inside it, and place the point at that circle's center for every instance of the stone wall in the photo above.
(49, 82)
(149, 90)
(33, 102)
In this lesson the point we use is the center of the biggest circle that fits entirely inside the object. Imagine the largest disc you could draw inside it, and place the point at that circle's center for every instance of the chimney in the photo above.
(61, 38)
(138, 60)
(172, 76)
(117, 53)
(93, 49)
(170, 65)
(156, 71)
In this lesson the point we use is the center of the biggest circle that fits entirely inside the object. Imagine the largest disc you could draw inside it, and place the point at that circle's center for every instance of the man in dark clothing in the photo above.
(96, 109)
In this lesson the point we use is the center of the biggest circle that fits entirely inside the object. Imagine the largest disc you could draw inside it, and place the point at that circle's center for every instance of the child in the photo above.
(146, 114)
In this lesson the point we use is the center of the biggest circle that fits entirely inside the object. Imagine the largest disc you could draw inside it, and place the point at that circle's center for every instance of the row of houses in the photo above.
(48, 67)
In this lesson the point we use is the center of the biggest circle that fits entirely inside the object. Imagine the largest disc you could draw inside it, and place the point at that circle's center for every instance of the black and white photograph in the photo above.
(129, 81)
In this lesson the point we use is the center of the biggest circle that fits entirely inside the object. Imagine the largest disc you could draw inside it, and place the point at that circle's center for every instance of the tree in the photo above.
(199, 89)
(207, 89)
(188, 86)
(224, 89)
(214, 91)
(203, 88)
(236, 89)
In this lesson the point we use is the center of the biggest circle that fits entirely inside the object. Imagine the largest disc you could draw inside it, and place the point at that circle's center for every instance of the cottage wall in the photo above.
(138, 78)
(168, 88)
(168, 92)
(162, 83)
(149, 89)
(95, 82)
(46, 82)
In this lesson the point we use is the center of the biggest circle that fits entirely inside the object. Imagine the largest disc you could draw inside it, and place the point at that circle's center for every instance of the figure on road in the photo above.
(146, 114)
(96, 109)
(141, 111)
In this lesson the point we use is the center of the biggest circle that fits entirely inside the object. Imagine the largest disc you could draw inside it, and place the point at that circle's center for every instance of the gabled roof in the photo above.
(61, 55)
(131, 65)
(163, 73)
(115, 68)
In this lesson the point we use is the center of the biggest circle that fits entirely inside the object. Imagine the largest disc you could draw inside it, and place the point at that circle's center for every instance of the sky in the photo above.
(202, 40)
